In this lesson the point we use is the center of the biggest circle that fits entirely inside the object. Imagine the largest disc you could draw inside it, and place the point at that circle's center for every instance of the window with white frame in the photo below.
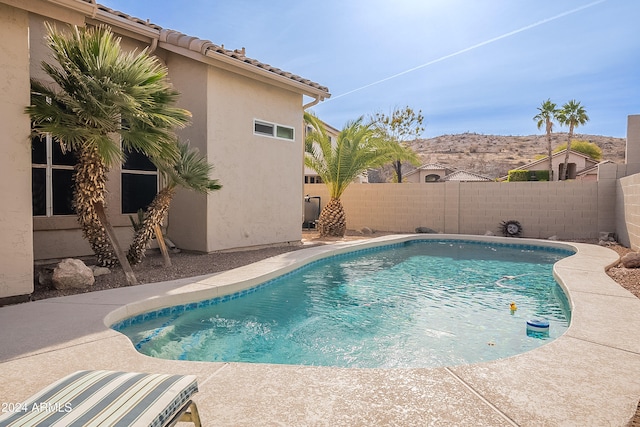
(273, 130)
(51, 177)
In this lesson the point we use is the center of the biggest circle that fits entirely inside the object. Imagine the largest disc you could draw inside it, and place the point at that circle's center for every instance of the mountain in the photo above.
(493, 155)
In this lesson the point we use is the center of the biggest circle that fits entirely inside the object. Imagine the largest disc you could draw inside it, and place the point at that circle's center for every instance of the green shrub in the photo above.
(527, 175)
(518, 175)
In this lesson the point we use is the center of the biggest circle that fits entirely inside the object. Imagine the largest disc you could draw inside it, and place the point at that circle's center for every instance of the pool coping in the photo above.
(587, 376)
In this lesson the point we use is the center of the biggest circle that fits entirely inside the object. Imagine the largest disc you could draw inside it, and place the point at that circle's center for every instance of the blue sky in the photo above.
(479, 66)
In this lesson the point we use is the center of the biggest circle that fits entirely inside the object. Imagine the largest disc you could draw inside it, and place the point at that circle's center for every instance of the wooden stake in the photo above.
(166, 261)
(122, 258)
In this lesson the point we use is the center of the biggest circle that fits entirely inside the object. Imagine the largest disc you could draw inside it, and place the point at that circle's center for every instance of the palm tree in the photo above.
(102, 93)
(547, 114)
(358, 148)
(573, 115)
(191, 171)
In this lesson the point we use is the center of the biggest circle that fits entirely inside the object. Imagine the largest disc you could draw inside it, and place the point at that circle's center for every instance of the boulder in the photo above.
(631, 260)
(426, 230)
(72, 273)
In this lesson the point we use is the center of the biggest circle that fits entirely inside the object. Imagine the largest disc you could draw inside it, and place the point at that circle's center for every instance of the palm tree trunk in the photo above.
(565, 172)
(397, 165)
(332, 221)
(549, 150)
(153, 218)
(90, 183)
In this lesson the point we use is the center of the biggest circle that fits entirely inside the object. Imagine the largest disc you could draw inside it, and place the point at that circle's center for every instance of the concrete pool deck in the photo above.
(589, 376)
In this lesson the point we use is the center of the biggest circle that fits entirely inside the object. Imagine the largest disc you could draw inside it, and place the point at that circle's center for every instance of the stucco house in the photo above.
(430, 172)
(435, 172)
(578, 163)
(311, 176)
(247, 120)
(591, 174)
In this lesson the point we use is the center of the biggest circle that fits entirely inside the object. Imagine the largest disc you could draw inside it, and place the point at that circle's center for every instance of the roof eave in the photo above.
(252, 70)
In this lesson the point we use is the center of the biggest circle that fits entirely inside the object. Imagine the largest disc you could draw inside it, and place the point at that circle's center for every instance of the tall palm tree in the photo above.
(571, 114)
(104, 102)
(191, 171)
(357, 148)
(546, 115)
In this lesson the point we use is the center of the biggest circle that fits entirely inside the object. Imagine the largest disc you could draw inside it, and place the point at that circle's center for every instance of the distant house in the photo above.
(578, 163)
(591, 174)
(247, 121)
(311, 176)
(435, 172)
(467, 177)
(430, 172)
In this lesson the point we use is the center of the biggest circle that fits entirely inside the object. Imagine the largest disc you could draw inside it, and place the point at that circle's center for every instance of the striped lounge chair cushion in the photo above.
(106, 398)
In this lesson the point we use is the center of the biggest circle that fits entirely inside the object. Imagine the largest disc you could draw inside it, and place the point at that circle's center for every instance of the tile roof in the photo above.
(465, 176)
(203, 47)
(593, 168)
(429, 166)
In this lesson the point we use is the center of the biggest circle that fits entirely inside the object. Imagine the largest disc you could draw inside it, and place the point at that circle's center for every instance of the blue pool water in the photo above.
(417, 304)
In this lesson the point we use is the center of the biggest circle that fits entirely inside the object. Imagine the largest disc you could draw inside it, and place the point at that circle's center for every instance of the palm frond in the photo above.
(357, 148)
(191, 170)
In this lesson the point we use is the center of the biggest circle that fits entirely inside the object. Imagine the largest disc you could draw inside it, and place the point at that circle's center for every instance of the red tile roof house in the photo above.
(247, 120)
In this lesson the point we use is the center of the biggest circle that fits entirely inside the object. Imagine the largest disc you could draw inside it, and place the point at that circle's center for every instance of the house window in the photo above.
(52, 178)
(312, 179)
(432, 178)
(273, 130)
(139, 182)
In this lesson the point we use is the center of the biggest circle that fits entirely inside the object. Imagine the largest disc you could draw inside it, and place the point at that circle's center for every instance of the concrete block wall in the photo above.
(568, 210)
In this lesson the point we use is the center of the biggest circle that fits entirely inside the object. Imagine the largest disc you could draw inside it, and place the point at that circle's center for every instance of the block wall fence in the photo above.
(568, 210)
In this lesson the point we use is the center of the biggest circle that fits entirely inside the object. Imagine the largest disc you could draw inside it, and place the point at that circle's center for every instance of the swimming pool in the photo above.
(413, 304)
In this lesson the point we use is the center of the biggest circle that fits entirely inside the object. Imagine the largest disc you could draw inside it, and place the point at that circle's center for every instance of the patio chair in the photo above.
(108, 398)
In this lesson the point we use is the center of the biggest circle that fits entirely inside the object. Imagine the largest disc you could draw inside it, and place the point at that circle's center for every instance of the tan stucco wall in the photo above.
(564, 209)
(632, 153)
(628, 211)
(16, 250)
(628, 188)
(260, 202)
(188, 215)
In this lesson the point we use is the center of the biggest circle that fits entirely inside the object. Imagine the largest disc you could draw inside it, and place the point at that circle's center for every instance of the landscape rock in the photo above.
(425, 230)
(99, 271)
(366, 230)
(44, 276)
(72, 273)
(554, 237)
(607, 236)
(631, 260)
